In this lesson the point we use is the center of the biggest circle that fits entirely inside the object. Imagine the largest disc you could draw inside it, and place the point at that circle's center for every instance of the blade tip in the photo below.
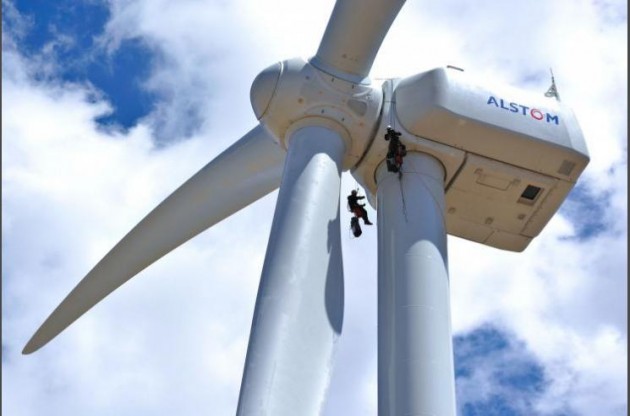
(31, 346)
(28, 350)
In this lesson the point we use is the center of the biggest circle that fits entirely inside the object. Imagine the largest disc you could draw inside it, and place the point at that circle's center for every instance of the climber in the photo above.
(396, 150)
(356, 208)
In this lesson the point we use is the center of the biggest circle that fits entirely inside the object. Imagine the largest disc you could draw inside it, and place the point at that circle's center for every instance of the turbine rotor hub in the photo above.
(295, 91)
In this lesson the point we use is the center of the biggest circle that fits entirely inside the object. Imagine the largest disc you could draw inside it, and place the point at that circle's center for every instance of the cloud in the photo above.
(496, 375)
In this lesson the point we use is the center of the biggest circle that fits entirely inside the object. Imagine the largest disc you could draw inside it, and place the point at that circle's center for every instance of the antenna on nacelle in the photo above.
(552, 91)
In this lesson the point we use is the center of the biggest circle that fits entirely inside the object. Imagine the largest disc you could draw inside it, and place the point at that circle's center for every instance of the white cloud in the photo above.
(173, 340)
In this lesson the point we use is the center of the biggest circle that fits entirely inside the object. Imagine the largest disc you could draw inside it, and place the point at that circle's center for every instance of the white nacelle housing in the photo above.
(511, 157)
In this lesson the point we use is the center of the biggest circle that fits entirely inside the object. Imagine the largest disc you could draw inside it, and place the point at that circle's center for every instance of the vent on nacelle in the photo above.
(566, 167)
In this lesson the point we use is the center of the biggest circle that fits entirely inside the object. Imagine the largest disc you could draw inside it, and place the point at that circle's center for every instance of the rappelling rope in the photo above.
(392, 109)
(402, 195)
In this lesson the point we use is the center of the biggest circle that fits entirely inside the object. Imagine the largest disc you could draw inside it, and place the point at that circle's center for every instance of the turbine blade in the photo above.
(245, 172)
(354, 35)
(299, 308)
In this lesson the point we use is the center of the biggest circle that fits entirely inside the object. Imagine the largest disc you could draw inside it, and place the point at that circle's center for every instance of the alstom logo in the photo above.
(513, 107)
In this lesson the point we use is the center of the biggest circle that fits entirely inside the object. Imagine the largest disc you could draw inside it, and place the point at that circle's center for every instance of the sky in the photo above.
(108, 106)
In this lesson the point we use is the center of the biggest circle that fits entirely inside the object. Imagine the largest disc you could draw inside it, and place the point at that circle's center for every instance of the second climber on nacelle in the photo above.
(396, 150)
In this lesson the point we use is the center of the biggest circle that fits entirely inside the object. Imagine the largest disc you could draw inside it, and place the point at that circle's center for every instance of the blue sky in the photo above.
(109, 106)
(68, 32)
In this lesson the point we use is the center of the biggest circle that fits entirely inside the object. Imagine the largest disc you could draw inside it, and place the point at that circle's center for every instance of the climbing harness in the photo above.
(395, 152)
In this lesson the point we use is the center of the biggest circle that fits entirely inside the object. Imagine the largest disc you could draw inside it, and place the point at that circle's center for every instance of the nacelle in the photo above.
(510, 156)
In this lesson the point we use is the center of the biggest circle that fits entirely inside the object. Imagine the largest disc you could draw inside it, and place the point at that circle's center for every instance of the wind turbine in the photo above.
(492, 166)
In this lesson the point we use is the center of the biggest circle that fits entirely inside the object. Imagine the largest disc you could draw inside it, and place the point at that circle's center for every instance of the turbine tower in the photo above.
(488, 165)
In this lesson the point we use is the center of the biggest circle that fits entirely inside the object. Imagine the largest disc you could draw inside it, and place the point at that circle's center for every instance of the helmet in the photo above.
(354, 192)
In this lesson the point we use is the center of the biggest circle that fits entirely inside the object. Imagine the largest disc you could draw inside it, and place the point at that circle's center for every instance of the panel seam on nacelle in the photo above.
(457, 172)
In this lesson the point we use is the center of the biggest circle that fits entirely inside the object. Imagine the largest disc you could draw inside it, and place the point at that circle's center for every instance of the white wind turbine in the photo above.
(492, 166)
